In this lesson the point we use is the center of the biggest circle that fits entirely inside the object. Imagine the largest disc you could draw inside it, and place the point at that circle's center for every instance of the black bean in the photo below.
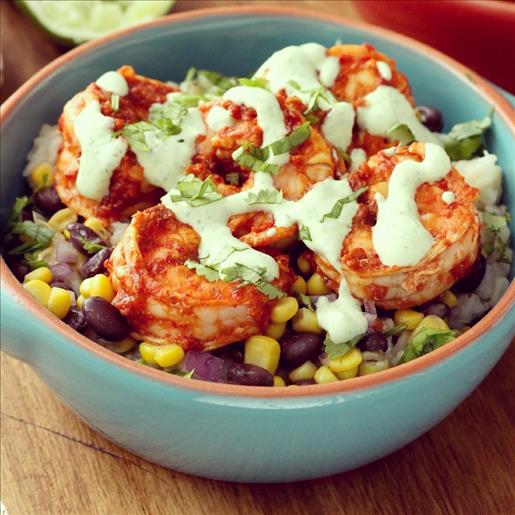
(76, 320)
(249, 375)
(373, 342)
(95, 264)
(105, 319)
(20, 269)
(303, 382)
(80, 233)
(299, 348)
(431, 118)
(48, 200)
(471, 281)
(438, 309)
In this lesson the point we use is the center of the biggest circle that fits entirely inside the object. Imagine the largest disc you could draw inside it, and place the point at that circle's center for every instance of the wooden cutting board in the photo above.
(52, 463)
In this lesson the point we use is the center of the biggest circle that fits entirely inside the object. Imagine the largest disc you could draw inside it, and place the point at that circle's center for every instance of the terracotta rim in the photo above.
(481, 86)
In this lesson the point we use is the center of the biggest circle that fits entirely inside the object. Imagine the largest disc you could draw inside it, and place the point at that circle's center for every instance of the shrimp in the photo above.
(455, 228)
(310, 162)
(164, 301)
(128, 190)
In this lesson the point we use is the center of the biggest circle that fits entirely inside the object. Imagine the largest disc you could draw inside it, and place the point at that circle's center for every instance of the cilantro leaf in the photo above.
(38, 237)
(344, 156)
(426, 341)
(209, 272)
(264, 197)
(254, 83)
(245, 157)
(291, 141)
(91, 247)
(336, 211)
(400, 132)
(196, 192)
(305, 301)
(337, 350)
(304, 233)
(395, 330)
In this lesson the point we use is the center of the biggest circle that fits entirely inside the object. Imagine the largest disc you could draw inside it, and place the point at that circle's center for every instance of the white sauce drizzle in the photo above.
(337, 126)
(218, 117)
(385, 107)
(113, 82)
(269, 115)
(100, 152)
(448, 197)
(329, 69)
(399, 238)
(384, 70)
(358, 156)
(167, 158)
(342, 318)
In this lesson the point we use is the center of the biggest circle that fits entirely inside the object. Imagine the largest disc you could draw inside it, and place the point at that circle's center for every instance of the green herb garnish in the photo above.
(491, 237)
(91, 247)
(254, 83)
(336, 211)
(115, 102)
(426, 341)
(304, 233)
(337, 350)
(305, 301)
(344, 156)
(402, 133)
(246, 158)
(196, 192)
(209, 272)
(264, 197)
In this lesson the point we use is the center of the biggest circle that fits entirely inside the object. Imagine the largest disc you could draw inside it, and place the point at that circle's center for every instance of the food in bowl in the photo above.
(306, 225)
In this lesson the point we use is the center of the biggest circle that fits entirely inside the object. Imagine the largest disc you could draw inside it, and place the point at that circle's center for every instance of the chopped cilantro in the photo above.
(196, 192)
(426, 341)
(336, 211)
(337, 350)
(264, 197)
(304, 233)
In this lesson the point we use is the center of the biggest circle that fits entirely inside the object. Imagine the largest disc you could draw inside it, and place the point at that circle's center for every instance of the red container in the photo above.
(480, 34)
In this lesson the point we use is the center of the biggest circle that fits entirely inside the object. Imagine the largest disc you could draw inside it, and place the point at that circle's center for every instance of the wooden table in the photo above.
(52, 463)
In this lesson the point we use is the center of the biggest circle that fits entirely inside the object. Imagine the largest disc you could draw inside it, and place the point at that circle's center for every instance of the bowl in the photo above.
(233, 432)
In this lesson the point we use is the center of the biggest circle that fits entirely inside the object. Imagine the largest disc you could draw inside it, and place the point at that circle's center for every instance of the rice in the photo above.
(44, 148)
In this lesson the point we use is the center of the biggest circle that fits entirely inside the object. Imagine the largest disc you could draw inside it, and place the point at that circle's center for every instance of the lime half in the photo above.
(77, 21)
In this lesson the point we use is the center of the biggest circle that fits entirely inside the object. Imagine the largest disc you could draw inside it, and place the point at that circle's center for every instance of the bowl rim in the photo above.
(404, 371)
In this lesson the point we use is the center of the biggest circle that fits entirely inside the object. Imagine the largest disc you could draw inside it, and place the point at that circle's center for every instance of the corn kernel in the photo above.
(122, 346)
(348, 374)
(39, 290)
(305, 321)
(59, 302)
(60, 219)
(408, 317)
(42, 274)
(325, 375)
(85, 287)
(147, 351)
(371, 367)
(303, 265)
(79, 301)
(98, 227)
(279, 381)
(168, 355)
(284, 309)
(276, 330)
(429, 322)
(317, 286)
(42, 175)
(100, 286)
(306, 371)
(299, 285)
(263, 352)
(351, 359)
(449, 299)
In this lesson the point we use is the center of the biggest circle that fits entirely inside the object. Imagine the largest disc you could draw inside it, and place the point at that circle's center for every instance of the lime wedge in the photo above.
(76, 21)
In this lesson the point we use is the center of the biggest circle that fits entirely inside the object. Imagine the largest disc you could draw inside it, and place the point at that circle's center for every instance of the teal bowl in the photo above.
(232, 432)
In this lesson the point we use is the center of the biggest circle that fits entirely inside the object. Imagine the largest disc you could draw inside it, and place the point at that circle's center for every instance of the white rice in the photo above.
(44, 148)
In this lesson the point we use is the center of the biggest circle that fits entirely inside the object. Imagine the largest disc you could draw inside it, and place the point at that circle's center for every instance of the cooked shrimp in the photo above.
(128, 189)
(362, 70)
(454, 227)
(165, 302)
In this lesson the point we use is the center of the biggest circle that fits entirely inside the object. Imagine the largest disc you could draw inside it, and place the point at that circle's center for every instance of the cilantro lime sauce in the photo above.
(399, 238)
(218, 118)
(342, 318)
(269, 115)
(166, 158)
(113, 82)
(448, 197)
(386, 107)
(384, 70)
(358, 156)
(337, 126)
(100, 152)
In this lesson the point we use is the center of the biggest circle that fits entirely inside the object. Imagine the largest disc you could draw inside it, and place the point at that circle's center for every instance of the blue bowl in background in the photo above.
(231, 432)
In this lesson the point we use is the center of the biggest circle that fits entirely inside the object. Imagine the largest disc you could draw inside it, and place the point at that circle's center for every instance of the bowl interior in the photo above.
(234, 44)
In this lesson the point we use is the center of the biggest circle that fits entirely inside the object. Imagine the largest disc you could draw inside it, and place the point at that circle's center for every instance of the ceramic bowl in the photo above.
(232, 432)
